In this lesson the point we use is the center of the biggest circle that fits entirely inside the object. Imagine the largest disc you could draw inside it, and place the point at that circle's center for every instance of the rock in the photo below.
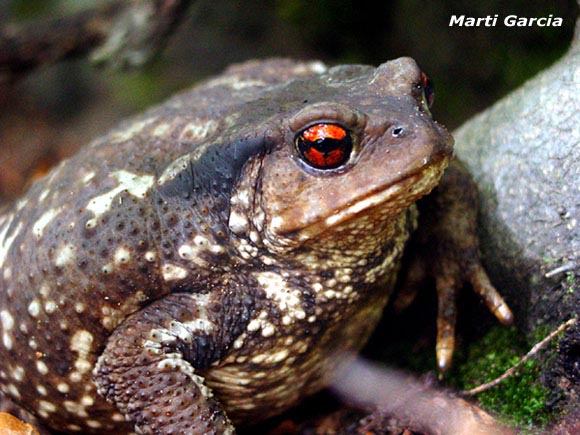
(524, 153)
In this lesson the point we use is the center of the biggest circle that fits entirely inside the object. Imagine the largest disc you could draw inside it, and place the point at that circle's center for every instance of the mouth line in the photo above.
(370, 201)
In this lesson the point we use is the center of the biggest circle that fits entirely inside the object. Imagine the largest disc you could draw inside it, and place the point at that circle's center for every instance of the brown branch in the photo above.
(121, 33)
(411, 403)
(529, 355)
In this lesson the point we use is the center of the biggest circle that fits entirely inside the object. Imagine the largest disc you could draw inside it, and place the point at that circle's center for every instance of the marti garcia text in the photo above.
(508, 21)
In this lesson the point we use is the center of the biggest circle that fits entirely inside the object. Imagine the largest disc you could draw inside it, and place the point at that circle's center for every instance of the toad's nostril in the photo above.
(398, 131)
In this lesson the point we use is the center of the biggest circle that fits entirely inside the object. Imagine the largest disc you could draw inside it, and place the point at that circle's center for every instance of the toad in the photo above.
(199, 266)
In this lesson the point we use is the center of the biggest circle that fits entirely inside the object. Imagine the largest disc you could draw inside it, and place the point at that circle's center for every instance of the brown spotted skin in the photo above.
(188, 271)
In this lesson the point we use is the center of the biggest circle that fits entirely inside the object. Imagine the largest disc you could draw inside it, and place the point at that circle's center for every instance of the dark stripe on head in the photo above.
(215, 172)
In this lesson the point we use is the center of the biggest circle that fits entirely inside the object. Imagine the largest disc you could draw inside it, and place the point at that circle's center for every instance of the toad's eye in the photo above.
(428, 90)
(324, 146)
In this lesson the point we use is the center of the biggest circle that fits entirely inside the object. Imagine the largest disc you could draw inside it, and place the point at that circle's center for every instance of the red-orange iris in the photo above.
(325, 146)
(324, 131)
(427, 85)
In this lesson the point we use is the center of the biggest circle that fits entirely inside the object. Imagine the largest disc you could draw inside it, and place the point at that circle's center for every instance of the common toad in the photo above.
(202, 263)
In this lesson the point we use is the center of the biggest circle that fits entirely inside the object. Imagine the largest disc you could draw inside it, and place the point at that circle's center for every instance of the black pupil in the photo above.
(325, 152)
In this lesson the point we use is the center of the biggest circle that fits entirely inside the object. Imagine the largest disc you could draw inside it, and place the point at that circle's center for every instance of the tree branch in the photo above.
(412, 403)
(537, 347)
(120, 33)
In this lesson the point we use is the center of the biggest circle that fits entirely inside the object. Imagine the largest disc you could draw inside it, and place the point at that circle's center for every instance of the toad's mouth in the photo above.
(384, 202)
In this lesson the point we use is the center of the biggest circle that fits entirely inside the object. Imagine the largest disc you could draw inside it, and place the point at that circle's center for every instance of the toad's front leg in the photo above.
(446, 247)
(149, 368)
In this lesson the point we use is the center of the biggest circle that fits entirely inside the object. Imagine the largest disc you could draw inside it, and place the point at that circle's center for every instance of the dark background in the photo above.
(54, 110)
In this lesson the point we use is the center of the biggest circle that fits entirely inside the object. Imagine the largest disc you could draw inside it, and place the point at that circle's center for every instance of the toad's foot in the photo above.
(447, 282)
(446, 249)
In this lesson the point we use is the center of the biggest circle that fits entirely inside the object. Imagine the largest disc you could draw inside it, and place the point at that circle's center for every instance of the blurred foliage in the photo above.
(346, 30)
(30, 9)
(472, 67)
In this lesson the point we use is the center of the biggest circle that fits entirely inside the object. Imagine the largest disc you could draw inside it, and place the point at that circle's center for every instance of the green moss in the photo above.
(571, 282)
(140, 89)
(520, 399)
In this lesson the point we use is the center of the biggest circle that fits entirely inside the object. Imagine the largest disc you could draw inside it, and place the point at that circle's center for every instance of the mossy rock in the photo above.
(524, 153)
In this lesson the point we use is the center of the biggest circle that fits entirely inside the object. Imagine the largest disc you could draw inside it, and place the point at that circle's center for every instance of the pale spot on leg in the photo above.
(186, 252)
(7, 340)
(75, 408)
(88, 177)
(65, 255)
(94, 424)
(41, 367)
(7, 324)
(5, 240)
(118, 417)
(7, 320)
(50, 307)
(47, 406)
(13, 391)
(63, 387)
(43, 221)
(81, 342)
(43, 195)
(171, 272)
(7, 274)
(87, 401)
(122, 255)
(18, 373)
